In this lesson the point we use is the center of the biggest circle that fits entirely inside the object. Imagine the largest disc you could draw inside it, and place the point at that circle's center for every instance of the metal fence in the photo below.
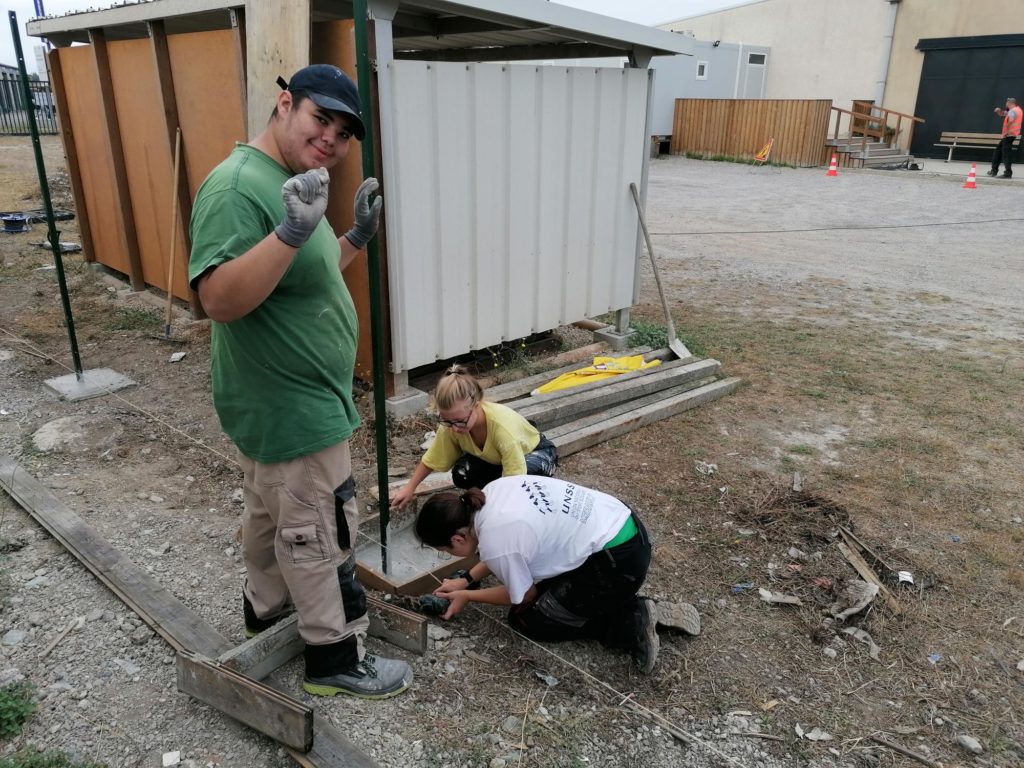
(14, 111)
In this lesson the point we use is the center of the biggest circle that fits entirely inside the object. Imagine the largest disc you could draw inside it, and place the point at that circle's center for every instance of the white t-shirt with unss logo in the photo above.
(532, 528)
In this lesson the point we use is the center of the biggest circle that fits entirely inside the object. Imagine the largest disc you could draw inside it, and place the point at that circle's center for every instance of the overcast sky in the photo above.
(641, 11)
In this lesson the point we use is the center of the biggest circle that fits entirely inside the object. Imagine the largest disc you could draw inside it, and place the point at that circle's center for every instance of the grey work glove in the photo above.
(367, 214)
(305, 200)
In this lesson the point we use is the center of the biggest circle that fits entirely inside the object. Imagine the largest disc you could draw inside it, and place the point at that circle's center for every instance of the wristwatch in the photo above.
(463, 573)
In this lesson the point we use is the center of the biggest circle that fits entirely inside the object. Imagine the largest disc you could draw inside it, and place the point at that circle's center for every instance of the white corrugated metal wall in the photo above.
(507, 199)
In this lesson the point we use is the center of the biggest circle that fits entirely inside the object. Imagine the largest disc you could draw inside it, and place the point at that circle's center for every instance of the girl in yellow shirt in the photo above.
(479, 441)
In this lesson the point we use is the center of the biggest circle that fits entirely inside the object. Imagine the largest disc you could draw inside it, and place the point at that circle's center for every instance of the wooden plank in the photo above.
(277, 44)
(237, 17)
(258, 706)
(122, 194)
(586, 437)
(420, 585)
(67, 135)
(632, 405)
(176, 622)
(553, 411)
(861, 566)
(398, 626)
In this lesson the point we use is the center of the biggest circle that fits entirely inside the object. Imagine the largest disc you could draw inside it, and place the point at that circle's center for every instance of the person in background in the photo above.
(479, 441)
(267, 267)
(1012, 119)
(570, 561)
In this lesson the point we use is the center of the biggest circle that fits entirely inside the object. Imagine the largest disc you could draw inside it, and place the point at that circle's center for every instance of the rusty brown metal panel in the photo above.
(148, 161)
(67, 135)
(93, 154)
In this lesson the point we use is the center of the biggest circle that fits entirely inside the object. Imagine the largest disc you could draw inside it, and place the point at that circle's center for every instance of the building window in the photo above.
(702, 70)
(756, 58)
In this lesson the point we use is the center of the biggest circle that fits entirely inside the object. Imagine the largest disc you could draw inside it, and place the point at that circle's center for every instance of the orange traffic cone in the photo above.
(972, 176)
(833, 166)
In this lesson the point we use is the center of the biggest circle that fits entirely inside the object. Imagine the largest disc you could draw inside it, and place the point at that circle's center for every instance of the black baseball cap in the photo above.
(330, 88)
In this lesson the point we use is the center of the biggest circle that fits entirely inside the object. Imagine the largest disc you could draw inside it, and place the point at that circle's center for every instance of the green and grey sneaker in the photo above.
(646, 653)
(372, 678)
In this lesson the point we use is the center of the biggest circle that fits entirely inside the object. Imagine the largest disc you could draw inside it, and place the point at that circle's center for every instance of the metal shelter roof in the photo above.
(467, 30)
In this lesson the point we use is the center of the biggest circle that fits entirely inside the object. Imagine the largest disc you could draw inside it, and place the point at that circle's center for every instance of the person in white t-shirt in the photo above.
(570, 560)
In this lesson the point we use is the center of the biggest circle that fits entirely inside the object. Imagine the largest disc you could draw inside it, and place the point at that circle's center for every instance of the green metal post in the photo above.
(54, 235)
(361, 16)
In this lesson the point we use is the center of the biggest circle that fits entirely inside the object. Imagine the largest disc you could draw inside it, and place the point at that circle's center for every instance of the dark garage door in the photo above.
(963, 79)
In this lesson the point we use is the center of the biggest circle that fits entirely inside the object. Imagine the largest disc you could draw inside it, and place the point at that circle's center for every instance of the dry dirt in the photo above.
(883, 365)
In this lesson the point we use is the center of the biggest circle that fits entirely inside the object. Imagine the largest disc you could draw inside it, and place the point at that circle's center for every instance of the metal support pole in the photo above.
(54, 235)
(360, 13)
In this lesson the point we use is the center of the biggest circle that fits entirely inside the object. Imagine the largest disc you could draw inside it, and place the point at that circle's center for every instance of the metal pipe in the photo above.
(361, 16)
(54, 235)
(894, 7)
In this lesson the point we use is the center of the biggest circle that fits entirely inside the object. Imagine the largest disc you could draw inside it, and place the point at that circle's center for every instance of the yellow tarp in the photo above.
(603, 368)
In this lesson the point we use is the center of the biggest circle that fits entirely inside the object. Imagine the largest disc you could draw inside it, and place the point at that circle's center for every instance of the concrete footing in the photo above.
(410, 402)
(617, 341)
(93, 383)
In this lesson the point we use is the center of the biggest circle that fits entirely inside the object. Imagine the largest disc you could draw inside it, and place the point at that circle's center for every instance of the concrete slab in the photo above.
(407, 558)
(410, 402)
(617, 341)
(94, 383)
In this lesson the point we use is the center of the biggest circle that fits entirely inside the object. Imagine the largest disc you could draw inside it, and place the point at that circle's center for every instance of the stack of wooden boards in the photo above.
(588, 414)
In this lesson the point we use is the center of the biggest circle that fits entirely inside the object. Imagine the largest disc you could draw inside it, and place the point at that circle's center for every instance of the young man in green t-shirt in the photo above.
(267, 268)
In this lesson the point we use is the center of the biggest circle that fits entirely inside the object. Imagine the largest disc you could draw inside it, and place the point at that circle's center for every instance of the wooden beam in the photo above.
(654, 398)
(557, 408)
(165, 79)
(861, 566)
(129, 235)
(249, 701)
(586, 437)
(67, 135)
(277, 45)
(176, 622)
(237, 16)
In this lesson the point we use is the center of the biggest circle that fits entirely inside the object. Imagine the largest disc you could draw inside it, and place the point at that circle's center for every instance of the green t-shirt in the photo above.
(282, 374)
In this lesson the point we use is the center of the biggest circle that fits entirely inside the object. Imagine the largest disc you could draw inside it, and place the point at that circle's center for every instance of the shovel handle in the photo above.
(654, 264)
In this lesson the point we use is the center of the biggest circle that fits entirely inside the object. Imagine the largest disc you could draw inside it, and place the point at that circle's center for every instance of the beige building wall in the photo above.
(820, 49)
(922, 19)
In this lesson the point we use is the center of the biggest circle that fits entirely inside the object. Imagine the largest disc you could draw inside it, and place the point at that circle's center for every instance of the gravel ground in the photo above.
(107, 689)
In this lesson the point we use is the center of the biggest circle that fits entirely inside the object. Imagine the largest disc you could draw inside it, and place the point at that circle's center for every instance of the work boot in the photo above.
(991, 173)
(680, 616)
(372, 678)
(646, 653)
(1006, 175)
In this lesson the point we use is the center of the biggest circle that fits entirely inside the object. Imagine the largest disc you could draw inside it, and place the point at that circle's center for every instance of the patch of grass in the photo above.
(133, 319)
(16, 706)
(802, 449)
(655, 336)
(33, 759)
(815, 393)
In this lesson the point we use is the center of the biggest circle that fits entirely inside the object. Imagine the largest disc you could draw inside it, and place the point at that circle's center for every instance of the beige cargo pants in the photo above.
(298, 535)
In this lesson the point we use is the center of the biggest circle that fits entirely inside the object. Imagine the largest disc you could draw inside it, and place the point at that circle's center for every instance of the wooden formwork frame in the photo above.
(209, 665)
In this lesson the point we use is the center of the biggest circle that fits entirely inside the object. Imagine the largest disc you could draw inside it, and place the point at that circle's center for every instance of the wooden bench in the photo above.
(955, 139)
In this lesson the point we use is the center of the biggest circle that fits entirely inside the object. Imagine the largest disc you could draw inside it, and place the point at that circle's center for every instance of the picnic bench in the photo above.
(955, 139)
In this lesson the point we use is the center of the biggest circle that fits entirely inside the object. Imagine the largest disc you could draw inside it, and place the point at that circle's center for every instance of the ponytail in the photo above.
(445, 514)
(456, 385)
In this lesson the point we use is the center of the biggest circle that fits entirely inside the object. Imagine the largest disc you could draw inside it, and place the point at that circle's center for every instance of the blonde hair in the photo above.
(456, 385)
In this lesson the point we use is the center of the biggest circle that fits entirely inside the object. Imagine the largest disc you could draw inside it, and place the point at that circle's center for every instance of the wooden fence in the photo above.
(741, 128)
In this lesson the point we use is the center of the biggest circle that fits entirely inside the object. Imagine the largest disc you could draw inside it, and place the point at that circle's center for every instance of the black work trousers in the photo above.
(596, 601)
(473, 472)
(1004, 154)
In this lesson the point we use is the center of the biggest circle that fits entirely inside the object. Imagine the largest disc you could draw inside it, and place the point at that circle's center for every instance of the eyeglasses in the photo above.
(459, 423)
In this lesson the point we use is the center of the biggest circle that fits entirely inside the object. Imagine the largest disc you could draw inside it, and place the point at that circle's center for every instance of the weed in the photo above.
(802, 449)
(648, 335)
(16, 706)
(32, 759)
(133, 319)
(815, 393)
